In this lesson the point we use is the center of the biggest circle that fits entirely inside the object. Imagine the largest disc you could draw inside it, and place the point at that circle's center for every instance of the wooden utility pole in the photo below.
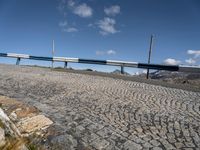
(150, 50)
(53, 51)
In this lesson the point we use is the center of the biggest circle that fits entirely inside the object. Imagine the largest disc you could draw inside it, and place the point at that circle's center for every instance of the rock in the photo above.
(32, 124)
(9, 124)
(13, 116)
(25, 111)
(2, 137)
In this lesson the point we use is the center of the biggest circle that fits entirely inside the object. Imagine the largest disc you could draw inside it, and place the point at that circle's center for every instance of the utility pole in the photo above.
(53, 51)
(150, 50)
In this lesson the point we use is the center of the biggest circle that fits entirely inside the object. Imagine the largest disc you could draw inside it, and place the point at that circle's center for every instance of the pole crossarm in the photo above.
(181, 68)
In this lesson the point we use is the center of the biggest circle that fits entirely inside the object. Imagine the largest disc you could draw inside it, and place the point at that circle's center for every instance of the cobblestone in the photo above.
(105, 113)
(129, 145)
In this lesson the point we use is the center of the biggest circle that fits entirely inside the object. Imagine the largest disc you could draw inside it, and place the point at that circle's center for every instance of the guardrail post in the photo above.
(149, 58)
(18, 61)
(65, 66)
(122, 69)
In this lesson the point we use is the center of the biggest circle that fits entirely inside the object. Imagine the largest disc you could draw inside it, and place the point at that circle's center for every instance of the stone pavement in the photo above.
(92, 112)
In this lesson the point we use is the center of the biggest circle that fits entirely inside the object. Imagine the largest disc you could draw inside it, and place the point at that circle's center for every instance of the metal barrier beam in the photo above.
(181, 68)
(18, 55)
(120, 63)
(3, 55)
(65, 59)
(91, 61)
(158, 67)
(41, 58)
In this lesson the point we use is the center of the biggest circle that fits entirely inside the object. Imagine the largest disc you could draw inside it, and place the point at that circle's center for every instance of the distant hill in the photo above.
(117, 71)
(177, 77)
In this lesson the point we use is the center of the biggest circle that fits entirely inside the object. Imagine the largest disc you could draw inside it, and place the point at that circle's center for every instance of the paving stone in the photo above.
(100, 143)
(117, 139)
(105, 132)
(147, 145)
(88, 137)
(108, 112)
(179, 145)
(129, 145)
(94, 127)
(63, 141)
(166, 144)
(155, 142)
(157, 148)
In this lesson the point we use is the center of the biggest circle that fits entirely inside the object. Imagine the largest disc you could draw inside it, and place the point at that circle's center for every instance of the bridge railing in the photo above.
(122, 64)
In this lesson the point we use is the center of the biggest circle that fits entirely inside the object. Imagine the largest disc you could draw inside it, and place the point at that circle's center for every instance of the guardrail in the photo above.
(122, 64)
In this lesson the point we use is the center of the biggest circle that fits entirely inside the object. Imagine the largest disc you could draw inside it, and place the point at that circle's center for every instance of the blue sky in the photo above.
(102, 29)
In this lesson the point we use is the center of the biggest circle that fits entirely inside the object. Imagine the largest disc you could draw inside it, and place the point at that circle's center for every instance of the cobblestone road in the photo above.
(103, 113)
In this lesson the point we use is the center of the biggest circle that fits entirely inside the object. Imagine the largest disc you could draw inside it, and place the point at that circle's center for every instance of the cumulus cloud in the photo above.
(100, 52)
(65, 27)
(195, 57)
(195, 53)
(111, 52)
(71, 29)
(190, 61)
(71, 3)
(108, 52)
(63, 23)
(83, 10)
(107, 26)
(112, 11)
(61, 5)
(171, 61)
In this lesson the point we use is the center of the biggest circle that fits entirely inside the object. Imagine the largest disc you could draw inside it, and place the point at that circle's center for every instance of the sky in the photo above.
(102, 29)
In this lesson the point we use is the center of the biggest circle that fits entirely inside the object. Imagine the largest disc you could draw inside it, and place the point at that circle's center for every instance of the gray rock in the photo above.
(2, 137)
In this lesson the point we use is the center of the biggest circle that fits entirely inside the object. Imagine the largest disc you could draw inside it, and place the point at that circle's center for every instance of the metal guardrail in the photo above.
(122, 64)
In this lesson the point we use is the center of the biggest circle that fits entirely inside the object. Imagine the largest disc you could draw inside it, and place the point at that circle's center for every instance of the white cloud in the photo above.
(190, 61)
(111, 52)
(71, 29)
(63, 23)
(108, 52)
(65, 27)
(71, 3)
(196, 53)
(112, 11)
(83, 10)
(100, 52)
(107, 26)
(171, 61)
(61, 5)
(91, 25)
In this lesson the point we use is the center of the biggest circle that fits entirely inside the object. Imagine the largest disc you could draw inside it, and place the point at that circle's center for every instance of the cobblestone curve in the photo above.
(105, 113)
